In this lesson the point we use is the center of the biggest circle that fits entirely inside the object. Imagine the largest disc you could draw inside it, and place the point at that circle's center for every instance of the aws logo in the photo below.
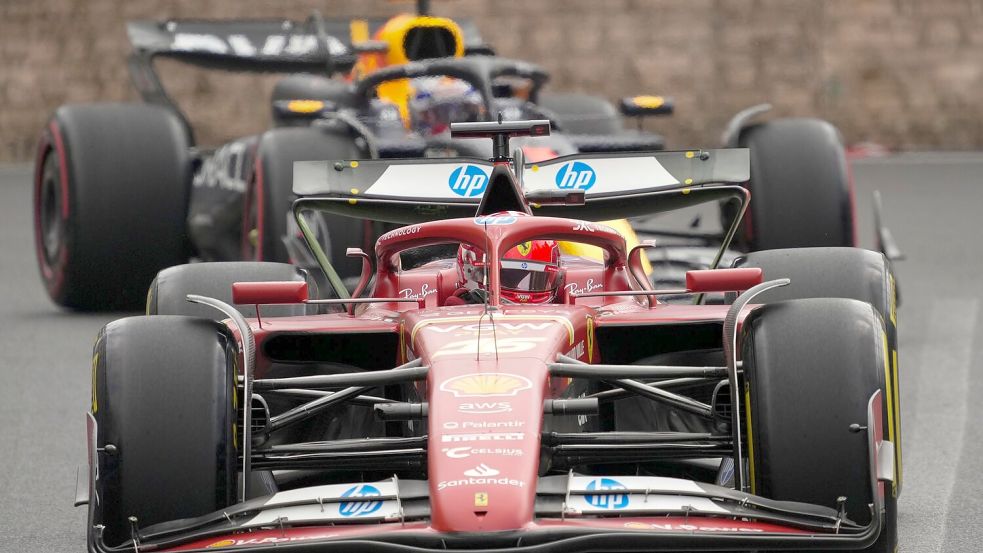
(468, 181)
(575, 175)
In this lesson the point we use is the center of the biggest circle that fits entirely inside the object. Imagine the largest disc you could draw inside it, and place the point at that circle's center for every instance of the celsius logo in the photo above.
(360, 508)
(468, 181)
(606, 500)
(481, 470)
(575, 175)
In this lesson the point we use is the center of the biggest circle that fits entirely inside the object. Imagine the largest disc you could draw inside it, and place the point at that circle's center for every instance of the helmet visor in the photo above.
(528, 276)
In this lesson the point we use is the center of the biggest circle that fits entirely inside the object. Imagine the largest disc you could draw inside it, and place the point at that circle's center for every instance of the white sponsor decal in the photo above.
(668, 526)
(607, 501)
(241, 45)
(425, 291)
(488, 437)
(402, 231)
(610, 174)
(467, 451)
(482, 425)
(489, 345)
(430, 180)
(481, 470)
(225, 169)
(264, 541)
(481, 481)
(485, 407)
(589, 286)
(489, 327)
(584, 226)
(495, 220)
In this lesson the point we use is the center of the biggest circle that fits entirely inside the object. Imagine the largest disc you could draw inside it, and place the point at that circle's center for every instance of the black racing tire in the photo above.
(810, 368)
(801, 187)
(163, 395)
(270, 196)
(170, 288)
(111, 191)
(582, 113)
(853, 273)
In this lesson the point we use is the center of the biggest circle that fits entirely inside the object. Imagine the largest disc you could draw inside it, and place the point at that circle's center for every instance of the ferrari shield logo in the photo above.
(481, 499)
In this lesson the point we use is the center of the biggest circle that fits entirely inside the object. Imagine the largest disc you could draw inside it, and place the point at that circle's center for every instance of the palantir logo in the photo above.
(468, 181)
(575, 175)
(360, 508)
(606, 500)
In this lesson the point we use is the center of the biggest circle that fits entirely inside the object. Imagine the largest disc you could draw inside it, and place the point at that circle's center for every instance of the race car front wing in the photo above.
(573, 513)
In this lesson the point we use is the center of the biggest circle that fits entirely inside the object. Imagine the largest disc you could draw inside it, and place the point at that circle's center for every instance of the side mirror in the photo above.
(723, 280)
(363, 280)
(267, 293)
(645, 106)
(302, 109)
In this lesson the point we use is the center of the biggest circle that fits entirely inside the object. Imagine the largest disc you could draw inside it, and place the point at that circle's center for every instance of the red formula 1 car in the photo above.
(491, 393)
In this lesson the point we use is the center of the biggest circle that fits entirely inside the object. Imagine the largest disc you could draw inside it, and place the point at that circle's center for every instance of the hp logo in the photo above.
(360, 508)
(606, 501)
(468, 181)
(575, 175)
(494, 220)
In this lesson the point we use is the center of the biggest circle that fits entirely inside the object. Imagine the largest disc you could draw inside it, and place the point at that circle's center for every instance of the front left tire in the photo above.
(164, 400)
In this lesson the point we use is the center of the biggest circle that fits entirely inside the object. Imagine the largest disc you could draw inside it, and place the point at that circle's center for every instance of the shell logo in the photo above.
(486, 385)
(223, 543)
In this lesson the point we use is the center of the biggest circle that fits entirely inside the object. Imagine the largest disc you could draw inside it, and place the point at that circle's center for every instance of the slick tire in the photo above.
(111, 188)
(170, 288)
(582, 114)
(163, 396)
(801, 187)
(810, 367)
(853, 273)
(270, 195)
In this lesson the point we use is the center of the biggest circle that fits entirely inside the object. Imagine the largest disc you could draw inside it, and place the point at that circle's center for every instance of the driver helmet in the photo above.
(530, 271)
(436, 102)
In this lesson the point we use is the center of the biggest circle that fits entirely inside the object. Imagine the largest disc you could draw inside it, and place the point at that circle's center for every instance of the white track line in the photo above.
(935, 430)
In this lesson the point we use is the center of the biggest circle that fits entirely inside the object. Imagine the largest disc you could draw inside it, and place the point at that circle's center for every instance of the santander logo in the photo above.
(481, 470)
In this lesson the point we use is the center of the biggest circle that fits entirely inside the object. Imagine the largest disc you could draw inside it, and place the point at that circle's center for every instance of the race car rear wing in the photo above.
(613, 185)
(240, 45)
(317, 45)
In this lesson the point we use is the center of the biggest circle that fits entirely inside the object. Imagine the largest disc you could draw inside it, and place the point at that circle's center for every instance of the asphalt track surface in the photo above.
(932, 204)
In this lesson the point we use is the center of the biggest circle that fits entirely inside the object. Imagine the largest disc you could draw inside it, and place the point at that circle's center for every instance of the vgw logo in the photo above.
(468, 181)
(575, 175)
(360, 508)
(606, 500)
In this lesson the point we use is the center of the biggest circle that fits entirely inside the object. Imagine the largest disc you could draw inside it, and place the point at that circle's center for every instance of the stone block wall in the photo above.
(903, 73)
